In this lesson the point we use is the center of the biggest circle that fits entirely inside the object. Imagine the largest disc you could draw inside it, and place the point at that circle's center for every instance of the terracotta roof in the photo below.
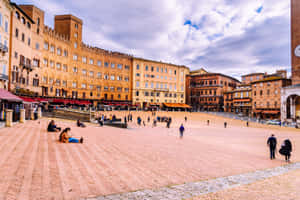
(274, 78)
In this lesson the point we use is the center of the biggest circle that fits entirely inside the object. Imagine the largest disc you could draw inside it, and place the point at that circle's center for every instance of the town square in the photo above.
(162, 100)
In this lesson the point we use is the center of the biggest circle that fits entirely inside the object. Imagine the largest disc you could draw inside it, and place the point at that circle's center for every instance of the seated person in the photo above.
(66, 138)
(80, 124)
(52, 127)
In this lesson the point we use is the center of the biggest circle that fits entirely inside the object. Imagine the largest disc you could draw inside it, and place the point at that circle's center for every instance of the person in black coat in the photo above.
(286, 149)
(272, 142)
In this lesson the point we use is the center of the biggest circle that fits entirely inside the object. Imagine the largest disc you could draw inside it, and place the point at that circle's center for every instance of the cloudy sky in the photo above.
(233, 37)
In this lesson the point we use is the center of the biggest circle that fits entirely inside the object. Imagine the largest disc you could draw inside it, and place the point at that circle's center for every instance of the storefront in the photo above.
(10, 101)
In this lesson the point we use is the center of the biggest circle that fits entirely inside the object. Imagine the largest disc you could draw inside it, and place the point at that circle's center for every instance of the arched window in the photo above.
(17, 14)
(23, 20)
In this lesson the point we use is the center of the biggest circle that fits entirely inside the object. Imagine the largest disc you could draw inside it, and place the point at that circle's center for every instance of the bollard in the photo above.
(39, 113)
(9, 117)
(22, 115)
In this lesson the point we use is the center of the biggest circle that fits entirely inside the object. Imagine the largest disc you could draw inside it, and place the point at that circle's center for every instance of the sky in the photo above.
(233, 37)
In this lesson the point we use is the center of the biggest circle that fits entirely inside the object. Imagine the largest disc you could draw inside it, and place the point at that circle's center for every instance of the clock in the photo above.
(297, 51)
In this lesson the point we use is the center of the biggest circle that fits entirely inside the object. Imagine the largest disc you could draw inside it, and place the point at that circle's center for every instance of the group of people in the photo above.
(285, 150)
(64, 136)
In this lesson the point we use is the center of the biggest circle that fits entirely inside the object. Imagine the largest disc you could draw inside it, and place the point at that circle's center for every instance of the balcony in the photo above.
(3, 48)
(26, 65)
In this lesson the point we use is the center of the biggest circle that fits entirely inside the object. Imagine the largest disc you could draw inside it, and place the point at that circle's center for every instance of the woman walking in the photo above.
(286, 149)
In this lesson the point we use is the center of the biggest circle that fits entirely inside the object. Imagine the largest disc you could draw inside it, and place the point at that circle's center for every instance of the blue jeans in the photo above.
(73, 140)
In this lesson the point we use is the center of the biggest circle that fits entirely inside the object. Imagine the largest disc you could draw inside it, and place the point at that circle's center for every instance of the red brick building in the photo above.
(266, 96)
(205, 90)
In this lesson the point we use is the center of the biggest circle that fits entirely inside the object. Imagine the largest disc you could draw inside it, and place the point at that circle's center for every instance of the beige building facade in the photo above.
(156, 83)
(5, 15)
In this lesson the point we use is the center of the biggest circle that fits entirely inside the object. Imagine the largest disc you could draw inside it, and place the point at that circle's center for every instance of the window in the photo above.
(119, 89)
(58, 51)
(268, 92)
(51, 63)
(106, 64)
(76, 26)
(45, 62)
(99, 63)
(137, 74)
(65, 68)
(23, 37)
(75, 69)
(261, 93)
(84, 72)
(112, 77)
(29, 41)
(146, 68)
(126, 79)
(28, 25)
(17, 15)
(37, 46)
(105, 88)
(75, 35)
(137, 66)
(127, 67)
(99, 75)
(137, 93)
(52, 49)
(58, 66)
(75, 57)
(17, 33)
(83, 85)
(44, 79)
(23, 20)
(57, 82)
(120, 66)
(91, 74)
(112, 89)
(64, 83)
(51, 81)
(181, 88)
(91, 61)
(137, 84)
(106, 76)
(84, 59)
(112, 65)
(65, 53)
(74, 85)
(166, 70)
(126, 89)
(91, 87)
(119, 78)
(98, 88)
(46, 46)
(276, 92)
(146, 85)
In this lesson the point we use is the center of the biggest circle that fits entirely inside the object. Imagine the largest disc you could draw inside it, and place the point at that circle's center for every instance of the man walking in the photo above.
(272, 142)
(181, 130)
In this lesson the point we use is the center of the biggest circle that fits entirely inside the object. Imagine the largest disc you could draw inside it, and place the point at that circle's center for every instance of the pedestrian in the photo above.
(208, 122)
(168, 123)
(144, 123)
(225, 124)
(247, 124)
(272, 143)
(148, 119)
(185, 119)
(125, 120)
(286, 149)
(154, 123)
(181, 130)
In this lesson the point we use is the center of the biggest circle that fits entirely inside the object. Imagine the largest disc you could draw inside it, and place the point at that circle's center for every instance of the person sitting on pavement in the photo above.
(80, 124)
(64, 137)
(52, 127)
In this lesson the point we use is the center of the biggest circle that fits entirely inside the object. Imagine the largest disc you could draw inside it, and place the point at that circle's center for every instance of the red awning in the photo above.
(42, 100)
(6, 95)
(273, 112)
(29, 100)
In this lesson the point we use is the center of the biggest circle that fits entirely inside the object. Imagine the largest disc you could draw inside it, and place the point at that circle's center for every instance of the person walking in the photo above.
(247, 124)
(208, 122)
(181, 130)
(286, 149)
(225, 124)
(272, 143)
(185, 119)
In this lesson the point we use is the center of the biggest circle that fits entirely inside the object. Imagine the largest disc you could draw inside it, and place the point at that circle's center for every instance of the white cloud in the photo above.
(228, 36)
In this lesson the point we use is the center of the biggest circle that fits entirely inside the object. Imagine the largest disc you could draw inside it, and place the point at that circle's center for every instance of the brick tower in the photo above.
(295, 43)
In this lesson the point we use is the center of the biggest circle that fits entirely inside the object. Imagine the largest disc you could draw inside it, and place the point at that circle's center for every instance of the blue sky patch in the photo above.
(258, 10)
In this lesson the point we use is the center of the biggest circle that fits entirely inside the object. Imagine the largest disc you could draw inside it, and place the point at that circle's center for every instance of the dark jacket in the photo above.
(272, 142)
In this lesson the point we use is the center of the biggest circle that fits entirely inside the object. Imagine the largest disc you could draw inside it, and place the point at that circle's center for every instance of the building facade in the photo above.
(206, 91)
(239, 100)
(248, 78)
(155, 83)
(266, 96)
(24, 54)
(5, 20)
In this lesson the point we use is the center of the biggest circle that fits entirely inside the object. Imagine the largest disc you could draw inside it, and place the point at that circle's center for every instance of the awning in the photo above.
(176, 105)
(28, 100)
(6, 95)
(41, 100)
